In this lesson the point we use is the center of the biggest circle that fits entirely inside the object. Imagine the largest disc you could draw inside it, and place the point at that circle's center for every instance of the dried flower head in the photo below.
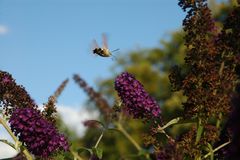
(210, 77)
(212, 56)
(50, 110)
(39, 136)
(101, 103)
(12, 95)
(169, 152)
(136, 100)
(93, 124)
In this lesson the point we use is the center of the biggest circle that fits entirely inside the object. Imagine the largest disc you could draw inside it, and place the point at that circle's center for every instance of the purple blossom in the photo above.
(13, 95)
(39, 136)
(137, 101)
(6, 79)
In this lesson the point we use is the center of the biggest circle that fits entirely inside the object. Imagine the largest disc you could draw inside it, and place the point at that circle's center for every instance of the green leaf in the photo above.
(187, 158)
(171, 122)
(211, 151)
(143, 152)
(82, 149)
(98, 152)
(8, 143)
(113, 129)
(199, 132)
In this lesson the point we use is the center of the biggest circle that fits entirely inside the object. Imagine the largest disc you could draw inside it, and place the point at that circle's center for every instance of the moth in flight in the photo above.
(102, 51)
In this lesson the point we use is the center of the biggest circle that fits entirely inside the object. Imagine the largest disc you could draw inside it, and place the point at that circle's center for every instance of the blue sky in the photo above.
(43, 42)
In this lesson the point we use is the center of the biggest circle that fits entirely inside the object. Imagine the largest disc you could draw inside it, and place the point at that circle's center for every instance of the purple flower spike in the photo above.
(137, 101)
(39, 136)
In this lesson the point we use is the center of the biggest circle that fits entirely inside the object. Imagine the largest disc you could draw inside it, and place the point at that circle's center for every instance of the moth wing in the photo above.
(104, 39)
(94, 45)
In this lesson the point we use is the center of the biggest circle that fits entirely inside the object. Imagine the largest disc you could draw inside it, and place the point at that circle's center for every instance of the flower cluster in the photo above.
(12, 95)
(187, 145)
(50, 110)
(136, 100)
(209, 77)
(101, 103)
(169, 152)
(39, 136)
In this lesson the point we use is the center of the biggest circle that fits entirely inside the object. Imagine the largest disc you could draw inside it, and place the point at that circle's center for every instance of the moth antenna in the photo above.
(115, 50)
(113, 57)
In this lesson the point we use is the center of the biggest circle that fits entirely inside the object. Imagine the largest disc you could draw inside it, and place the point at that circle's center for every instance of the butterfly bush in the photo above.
(207, 80)
(12, 95)
(33, 129)
(39, 136)
(136, 100)
(96, 97)
(209, 76)
(50, 111)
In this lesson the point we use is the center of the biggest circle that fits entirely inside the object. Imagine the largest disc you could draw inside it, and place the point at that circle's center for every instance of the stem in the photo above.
(172, 122)
(124, 132)
(220, 72)
(216, 149)
(163, 131)
(219, 120)
(221, 69)
(197, 158)
(8, 129)
(25, 151)
(27, 154)
(199, 131)
(75, 155)
(211, 151)
(198, 136)
(99, 139)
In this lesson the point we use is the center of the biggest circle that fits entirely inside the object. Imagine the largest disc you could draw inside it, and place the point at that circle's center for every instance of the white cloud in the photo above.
(3, 29)
(4, 134)
(74, 118)
(7, 151)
